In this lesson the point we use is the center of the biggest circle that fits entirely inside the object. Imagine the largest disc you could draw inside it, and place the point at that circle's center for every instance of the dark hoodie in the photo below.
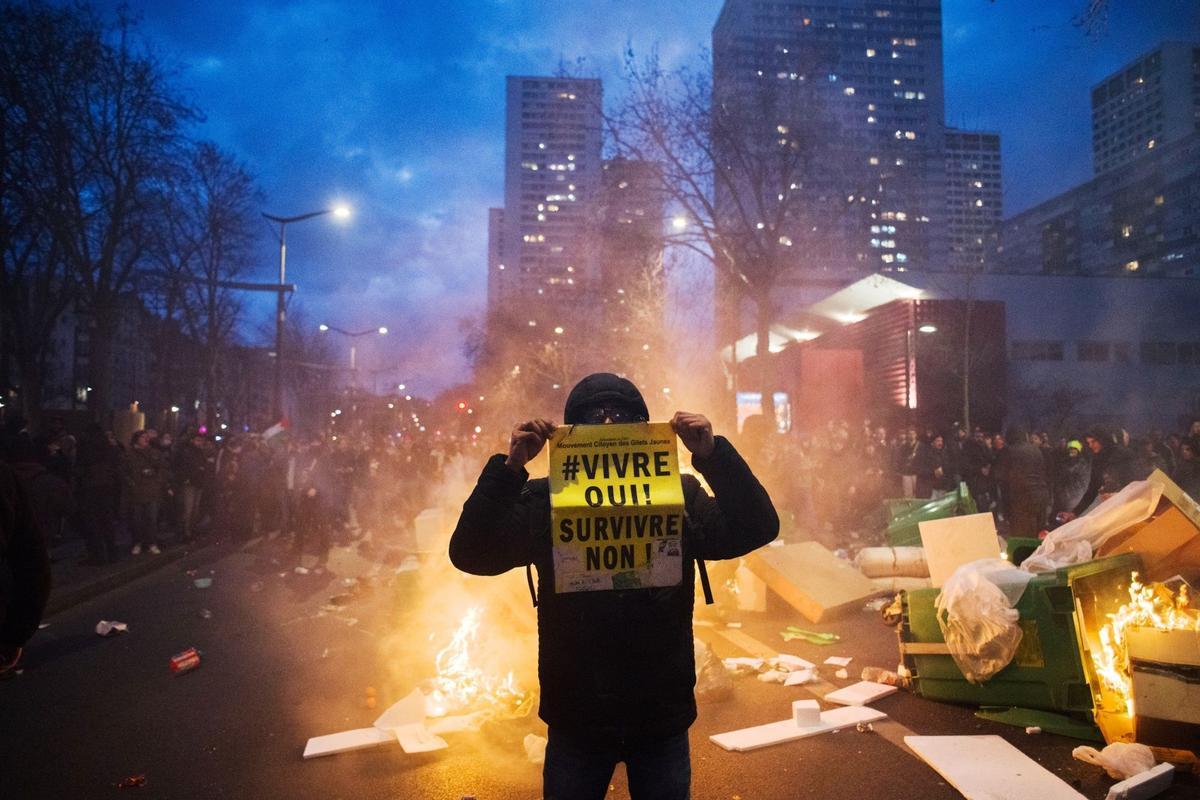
(613, 663)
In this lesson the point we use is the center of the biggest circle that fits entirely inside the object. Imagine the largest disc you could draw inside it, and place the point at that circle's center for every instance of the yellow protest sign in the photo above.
(616, 507)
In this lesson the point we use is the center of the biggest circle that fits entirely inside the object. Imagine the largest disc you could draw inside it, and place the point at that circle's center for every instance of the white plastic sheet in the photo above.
(975, 612)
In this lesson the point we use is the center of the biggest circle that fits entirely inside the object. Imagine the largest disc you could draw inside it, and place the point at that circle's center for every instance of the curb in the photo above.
(72, 596)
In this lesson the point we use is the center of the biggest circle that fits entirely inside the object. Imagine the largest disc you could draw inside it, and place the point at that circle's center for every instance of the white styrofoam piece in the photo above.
(950, 543)
(786, 731)
(860, 694)
(744, 661)
(800, 677)
(806, 713)
(403, 712)
(989, 768)
(1143, 786)
(346, 741)
(416, 738)
(839, 661)
(794, 662)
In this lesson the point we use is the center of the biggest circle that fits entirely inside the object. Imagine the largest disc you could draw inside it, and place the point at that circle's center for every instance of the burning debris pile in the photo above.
(463, 684)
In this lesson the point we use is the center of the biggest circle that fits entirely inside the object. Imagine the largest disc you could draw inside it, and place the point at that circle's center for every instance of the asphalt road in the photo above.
(88, 712)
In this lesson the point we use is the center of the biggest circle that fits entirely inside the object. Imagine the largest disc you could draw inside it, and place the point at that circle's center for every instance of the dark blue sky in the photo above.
(398, 109)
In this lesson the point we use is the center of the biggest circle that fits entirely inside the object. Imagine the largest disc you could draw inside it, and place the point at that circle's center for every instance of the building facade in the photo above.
(859, 85)
(974, 197)
(552, 176)
(1142, 218)
(1154, 100)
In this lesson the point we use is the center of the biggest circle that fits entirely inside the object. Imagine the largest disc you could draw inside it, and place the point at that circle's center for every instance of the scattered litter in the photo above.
(839, 661)
(108, 627)
(812, 637)
(202, 583)
(325, 653)
(842, 673)
(988, 767)
(1120, 760)
(1143, 786)
(806, 713)
(43, 626)
(186, 661)
(256, 586)
(866, 727)
(800, 677)
(733, 624)
(535, 748)
(794, 662)
(747, 739)
(1033, 730)
(880, 675)
(878, 604)
(301, 570)
(773, 676)
(205, 614)
(132, 782)
(712, 678)
(416, 738)
(742, 662)
(860, 694)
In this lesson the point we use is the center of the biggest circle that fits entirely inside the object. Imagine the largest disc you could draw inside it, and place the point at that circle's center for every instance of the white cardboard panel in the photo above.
(787, 731)
(950, 543)
(346, 741)
(989, 768)
(860, 694)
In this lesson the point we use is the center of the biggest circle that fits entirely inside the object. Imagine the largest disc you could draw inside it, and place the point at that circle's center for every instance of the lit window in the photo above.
(1126, 231)
(849, 90)
(1158, 200)
(873, 160)
(870, 52)
(1132, 266)
(979, 204)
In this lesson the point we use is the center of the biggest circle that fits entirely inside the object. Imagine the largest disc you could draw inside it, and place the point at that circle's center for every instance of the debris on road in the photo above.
(205, 614)
(108, 627)
(202, 583)
(787, 730)
(811, 579)
(186, 661)
(791, 632)
(1033, 730)
(402, 722)
(988, 767)
(860, 694)
(1120, 760)
(842, 673)
(839, 661)
(1143, 786)
(1045, 721)
(806, 713)
(132, 782)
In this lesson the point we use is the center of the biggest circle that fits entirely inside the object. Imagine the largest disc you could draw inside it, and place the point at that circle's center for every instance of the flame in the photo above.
(1149, 606)
(463, 686)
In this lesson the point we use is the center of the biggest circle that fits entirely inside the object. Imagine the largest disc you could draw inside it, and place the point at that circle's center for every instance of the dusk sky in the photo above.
(398, 109)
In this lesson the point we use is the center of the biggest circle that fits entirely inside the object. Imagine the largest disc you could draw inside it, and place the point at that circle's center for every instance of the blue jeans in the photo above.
(658, 769)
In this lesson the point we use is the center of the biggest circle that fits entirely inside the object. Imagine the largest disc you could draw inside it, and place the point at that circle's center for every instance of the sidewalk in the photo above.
(73, 582)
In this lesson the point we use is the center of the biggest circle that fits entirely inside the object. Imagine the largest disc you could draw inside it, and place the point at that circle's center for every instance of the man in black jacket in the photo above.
(616, 667)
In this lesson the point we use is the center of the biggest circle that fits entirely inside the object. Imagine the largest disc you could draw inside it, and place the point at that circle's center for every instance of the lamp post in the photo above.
(353, 336)
(341, 212)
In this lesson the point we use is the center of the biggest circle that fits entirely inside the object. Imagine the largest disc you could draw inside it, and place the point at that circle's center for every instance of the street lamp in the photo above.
(341, 212)
(353, 336)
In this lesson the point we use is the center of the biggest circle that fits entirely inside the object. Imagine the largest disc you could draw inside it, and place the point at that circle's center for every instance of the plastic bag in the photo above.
(535, 748)
(712, 679)
(1120, 760)
(1076, 541)
(977, 617)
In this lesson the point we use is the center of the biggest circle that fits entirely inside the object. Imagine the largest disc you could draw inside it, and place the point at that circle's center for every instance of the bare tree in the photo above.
(110, 126)
(734, 167)
(205, 240)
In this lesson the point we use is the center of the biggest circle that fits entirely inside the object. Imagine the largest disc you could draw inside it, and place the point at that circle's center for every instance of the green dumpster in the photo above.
(903, 530)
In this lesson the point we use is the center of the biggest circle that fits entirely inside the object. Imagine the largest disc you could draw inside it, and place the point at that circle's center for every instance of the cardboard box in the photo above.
(1169, 545)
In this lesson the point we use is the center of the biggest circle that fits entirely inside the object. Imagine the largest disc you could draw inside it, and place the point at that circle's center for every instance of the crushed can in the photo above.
(186, 661)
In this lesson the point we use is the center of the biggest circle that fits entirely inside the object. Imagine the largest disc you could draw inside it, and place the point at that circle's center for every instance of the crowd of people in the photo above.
(833, 479)
(130, 499)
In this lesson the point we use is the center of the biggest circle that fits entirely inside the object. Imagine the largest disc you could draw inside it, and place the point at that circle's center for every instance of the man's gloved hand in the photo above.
(527, 441)
(695, 431)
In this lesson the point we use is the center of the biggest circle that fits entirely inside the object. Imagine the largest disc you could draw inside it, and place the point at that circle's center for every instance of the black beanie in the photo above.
(602, 388)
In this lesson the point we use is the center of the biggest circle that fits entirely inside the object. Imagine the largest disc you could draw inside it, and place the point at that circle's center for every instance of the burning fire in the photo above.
(1149, 606)
(462, 686)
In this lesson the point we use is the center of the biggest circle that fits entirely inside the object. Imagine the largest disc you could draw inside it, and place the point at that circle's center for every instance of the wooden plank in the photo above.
(787, 730)
(811, 579)
(989, 768)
